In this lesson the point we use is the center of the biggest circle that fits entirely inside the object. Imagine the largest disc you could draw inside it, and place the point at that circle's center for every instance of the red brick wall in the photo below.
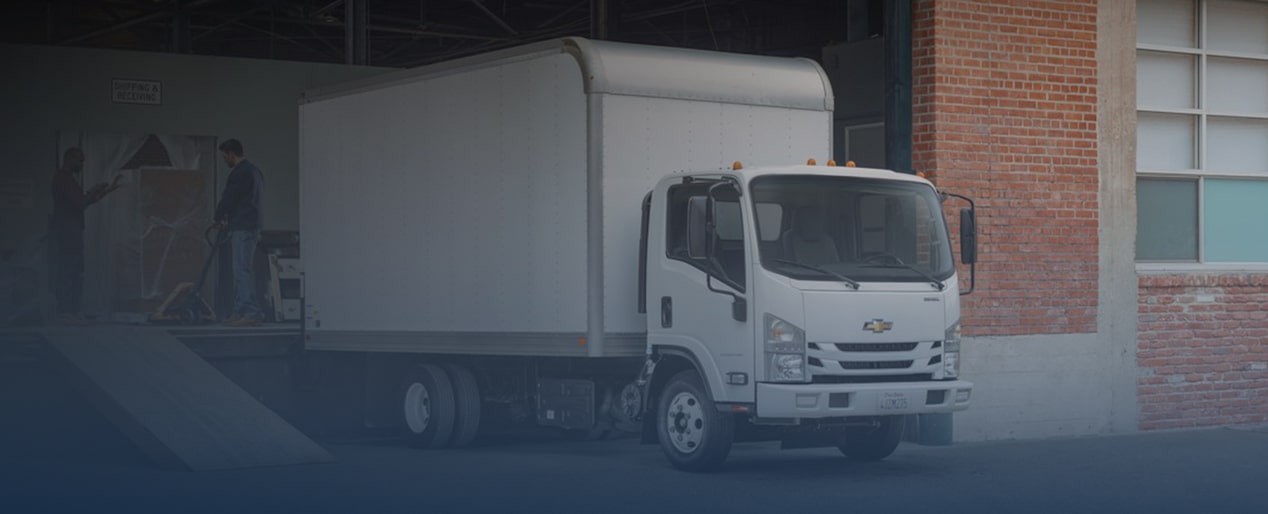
(1203, 350)
(1004, 111)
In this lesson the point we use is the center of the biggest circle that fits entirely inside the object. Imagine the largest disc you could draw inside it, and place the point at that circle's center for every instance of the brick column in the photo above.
(1005, 111)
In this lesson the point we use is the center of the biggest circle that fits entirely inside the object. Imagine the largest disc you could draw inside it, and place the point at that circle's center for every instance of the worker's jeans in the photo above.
(244, 304)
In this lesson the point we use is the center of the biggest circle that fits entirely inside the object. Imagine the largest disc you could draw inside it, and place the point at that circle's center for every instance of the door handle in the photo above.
(666, 312)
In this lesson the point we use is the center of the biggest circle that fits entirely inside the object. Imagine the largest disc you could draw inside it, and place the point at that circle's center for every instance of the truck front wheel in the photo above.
(873, 443)
(694, 435)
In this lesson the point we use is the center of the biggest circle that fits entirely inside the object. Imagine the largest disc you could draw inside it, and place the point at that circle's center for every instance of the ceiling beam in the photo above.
(480, 5)
(374, 27)
(145, 18)
(562, 13)
(328, 7)
(228, 22)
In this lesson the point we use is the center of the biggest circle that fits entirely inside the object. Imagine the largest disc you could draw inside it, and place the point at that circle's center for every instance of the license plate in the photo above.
(894, 401)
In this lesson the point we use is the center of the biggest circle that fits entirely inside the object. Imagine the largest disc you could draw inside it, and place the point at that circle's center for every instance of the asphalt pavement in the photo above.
(1199, 471)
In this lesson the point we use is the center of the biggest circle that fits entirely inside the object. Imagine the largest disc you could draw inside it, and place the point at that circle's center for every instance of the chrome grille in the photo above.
(875, 347)
(875, 364)
(857, 379)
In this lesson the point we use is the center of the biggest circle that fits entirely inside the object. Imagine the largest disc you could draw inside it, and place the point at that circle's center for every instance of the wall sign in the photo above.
(131, 91)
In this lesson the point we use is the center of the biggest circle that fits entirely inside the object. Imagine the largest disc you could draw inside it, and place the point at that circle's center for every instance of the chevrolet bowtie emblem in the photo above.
(878, 325)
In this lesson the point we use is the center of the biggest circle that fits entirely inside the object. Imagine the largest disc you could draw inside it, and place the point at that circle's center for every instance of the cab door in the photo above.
(697, 298)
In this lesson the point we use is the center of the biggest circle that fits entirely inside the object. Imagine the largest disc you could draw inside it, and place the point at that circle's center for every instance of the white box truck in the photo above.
(560, 234)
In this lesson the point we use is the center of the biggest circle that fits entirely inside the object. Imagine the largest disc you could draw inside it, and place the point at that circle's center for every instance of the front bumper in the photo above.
(876, 399)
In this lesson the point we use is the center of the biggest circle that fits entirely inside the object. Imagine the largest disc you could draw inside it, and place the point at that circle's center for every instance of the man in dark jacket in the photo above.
(66, 231)
(239, 211)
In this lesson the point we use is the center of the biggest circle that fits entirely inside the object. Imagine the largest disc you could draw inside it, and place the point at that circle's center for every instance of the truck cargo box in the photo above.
(491, 205)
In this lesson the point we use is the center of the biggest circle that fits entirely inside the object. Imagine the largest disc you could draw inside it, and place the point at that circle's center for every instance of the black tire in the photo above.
(701, 437)
(873, 443)
(427, 407)
(467, 398)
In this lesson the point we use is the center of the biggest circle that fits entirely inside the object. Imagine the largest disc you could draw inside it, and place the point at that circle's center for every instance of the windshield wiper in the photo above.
(848, 281)
(900, 264)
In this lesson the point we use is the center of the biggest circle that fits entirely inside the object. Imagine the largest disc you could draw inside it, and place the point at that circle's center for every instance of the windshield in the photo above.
(866, 229)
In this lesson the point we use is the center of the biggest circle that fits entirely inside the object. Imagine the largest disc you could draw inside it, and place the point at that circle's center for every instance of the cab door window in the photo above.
(686, 203)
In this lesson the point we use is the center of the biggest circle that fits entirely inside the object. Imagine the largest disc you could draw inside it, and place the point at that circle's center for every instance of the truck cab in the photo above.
(799, 303)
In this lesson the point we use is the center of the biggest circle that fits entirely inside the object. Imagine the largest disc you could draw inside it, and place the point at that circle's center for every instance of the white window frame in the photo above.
(1202, 54)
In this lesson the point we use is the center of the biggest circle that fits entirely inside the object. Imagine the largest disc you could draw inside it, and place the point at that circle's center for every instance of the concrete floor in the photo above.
(1220, 470)
(58, 455)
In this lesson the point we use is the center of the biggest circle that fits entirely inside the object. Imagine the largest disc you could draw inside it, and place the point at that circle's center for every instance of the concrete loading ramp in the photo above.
(177, 408)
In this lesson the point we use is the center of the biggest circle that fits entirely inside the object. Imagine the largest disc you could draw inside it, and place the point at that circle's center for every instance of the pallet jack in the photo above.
(185, 304)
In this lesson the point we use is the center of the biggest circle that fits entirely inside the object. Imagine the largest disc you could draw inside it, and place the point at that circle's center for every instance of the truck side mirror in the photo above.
(968, 236)
(697, 228)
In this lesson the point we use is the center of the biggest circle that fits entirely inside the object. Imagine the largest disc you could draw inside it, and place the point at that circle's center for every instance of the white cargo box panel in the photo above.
(491, 205)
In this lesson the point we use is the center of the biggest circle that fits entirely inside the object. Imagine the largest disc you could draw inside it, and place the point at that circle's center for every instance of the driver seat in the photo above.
(807, 241)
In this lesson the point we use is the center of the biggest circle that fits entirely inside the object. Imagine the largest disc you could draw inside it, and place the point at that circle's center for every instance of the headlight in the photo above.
(785, 367)
(951, 352)
(951, 365)
(785, 348)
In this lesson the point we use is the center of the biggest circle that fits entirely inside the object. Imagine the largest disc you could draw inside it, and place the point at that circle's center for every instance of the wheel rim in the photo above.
(685, 421)
(417, 407)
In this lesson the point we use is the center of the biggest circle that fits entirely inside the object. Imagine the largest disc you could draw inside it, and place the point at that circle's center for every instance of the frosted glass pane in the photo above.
(1164, 141)
(1237, 144)
(1236, 220)
(1164, 80)
(1237, 26)
(1237, 85)
(1167, 220)
(1165, 22)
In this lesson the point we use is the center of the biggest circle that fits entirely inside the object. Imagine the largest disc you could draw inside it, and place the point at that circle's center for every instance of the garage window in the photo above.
(1202, 131)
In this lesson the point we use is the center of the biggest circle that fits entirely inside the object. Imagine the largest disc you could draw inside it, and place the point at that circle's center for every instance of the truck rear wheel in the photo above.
(694, 435)
(466, 392)
(873, 443)
(427, 407)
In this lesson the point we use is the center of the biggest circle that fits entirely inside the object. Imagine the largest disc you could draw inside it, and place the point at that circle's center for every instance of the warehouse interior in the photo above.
(234, 69)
